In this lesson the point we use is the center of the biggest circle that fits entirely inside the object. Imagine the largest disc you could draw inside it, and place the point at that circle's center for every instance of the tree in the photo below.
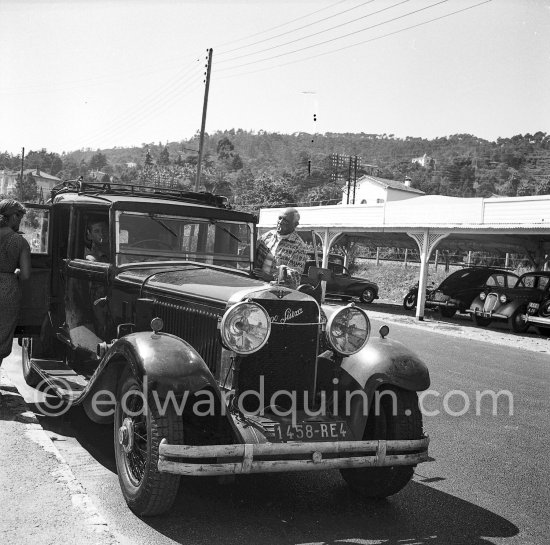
(26, 190)
(98, 161)
(164, 158)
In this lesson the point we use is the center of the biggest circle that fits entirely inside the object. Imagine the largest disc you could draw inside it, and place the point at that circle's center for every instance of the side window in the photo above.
(543, 283)
(337, 269)
(94, 237)
(496, 280)
(35, 228)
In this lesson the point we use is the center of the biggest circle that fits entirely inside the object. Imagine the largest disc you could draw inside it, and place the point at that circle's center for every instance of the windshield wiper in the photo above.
(225, 230)
(162, 224)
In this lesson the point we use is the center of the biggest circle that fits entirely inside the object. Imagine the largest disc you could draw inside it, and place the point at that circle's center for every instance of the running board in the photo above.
(66, 383)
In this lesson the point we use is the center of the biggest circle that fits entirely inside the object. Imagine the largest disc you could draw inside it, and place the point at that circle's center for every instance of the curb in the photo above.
(15, 404)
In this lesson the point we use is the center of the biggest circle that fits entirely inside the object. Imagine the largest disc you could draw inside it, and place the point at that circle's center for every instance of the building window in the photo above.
(378, 201)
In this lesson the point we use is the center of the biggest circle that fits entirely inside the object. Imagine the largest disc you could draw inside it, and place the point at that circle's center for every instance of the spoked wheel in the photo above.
(409, 302)
(32, 378)
(403, 423)
(368, 295)
(517, 322)
(139, 429)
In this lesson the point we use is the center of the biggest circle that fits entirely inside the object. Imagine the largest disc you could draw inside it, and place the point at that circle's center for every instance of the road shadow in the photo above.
(320, 508)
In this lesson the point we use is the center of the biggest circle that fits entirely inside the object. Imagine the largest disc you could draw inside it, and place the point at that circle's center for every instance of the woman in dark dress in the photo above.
(15, 266)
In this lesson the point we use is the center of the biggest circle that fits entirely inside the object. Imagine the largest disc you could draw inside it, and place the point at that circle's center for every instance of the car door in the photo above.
(86, 287)
(36, 295)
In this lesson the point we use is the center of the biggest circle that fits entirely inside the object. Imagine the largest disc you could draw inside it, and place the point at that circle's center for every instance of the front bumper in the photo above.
(484, 314)
(537, 320)
(282, 457)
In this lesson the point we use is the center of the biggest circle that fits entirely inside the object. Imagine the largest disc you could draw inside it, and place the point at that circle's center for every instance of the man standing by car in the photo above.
(282, 247)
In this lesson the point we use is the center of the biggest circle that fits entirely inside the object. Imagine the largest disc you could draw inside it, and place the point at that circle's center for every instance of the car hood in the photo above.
(201, 282)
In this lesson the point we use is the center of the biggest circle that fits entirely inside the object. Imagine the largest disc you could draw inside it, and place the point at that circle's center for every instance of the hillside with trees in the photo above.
(258, 169)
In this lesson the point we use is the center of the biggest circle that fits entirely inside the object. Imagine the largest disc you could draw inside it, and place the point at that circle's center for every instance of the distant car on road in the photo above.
(459, 289)
(344, 285)
(520, 306)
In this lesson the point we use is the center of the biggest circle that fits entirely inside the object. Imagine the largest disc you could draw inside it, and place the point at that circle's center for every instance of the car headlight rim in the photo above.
(339, 337)
(234, 336)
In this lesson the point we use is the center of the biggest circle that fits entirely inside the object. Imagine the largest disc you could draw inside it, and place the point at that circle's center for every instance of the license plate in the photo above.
(532, 308)
(312, 431)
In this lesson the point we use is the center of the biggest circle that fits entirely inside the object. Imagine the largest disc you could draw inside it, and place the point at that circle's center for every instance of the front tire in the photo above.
(368, 295)
(139, 429)
(409, 302)
(32, 378)
(480, 321)
(406, 423)
(517, 322)
(447, 312)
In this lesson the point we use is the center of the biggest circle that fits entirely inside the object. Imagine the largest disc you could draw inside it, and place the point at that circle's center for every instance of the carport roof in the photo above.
(506, 224)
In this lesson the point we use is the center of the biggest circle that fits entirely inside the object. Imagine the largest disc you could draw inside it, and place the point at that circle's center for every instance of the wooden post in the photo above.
(436, 258)
(507, 260)
(406, 255)
(469, 258)
(22, 169)
(377, 256)
(203, 123)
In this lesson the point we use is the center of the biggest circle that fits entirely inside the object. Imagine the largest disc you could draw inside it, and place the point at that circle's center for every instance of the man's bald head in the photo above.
(287, 221)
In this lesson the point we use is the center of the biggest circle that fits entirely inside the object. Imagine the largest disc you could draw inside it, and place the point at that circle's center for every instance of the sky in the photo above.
(78, 74)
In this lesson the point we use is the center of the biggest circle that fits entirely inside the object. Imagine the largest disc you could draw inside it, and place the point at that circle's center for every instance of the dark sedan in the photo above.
(343, 285)
(459, 289)
(520, 306)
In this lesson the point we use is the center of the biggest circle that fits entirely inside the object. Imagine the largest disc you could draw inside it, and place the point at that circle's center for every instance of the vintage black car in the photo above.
(459, 289)
(520, 306)
(202, 368)
(343, 285)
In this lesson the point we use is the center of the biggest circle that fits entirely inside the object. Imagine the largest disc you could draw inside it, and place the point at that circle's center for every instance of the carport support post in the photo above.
(426, 244)
(423, 280)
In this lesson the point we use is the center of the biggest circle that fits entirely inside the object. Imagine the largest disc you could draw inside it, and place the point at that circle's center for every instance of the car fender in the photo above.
(165, 362)
(383, 362)
(357, 288)
(510, 307)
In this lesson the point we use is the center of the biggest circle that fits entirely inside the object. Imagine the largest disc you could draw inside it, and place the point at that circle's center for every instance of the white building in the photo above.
(373, 190)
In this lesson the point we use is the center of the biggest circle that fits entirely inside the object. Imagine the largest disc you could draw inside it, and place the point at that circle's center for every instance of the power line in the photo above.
(296, 29)
(339, 37)
(279, 26)
(323, 32)
(154, 102)
(347, 46)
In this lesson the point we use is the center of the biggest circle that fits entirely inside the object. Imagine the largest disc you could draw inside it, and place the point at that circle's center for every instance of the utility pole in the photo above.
(354, 178)
(204, 106)
(21, 176)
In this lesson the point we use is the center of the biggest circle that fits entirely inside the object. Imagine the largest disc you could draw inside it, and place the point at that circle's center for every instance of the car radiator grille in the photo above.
(198, 326)
(490, 302)
(288, 360)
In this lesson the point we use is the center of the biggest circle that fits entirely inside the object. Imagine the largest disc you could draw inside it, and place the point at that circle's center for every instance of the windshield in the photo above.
(160, 237)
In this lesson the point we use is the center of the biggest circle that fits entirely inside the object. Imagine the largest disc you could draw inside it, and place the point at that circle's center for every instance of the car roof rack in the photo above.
(135, 190)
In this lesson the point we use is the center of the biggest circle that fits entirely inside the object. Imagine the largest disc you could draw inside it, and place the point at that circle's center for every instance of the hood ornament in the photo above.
(280, 291)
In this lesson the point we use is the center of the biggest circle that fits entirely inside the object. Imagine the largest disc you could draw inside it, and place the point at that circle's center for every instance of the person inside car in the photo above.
(97, 240)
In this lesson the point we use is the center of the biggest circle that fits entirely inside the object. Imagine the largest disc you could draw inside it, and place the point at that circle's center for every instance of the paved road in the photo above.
(488, 481)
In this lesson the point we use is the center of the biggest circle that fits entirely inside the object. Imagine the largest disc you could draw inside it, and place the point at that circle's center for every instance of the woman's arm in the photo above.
(25, 262)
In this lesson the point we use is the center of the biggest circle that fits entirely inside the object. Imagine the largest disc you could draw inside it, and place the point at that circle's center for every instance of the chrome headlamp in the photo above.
(245, 328)
(348, 330)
